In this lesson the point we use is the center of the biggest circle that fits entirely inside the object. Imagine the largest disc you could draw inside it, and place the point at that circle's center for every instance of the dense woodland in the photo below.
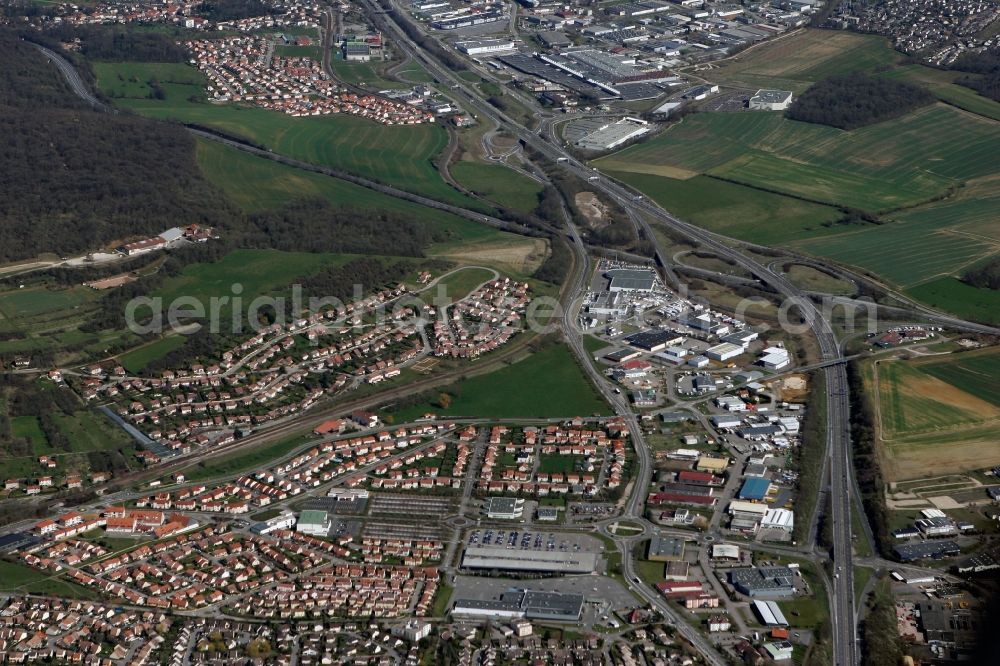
(229, 10)
(84, 179)
(849, 101)
(983, 72)
(118, 43)
(986, 276)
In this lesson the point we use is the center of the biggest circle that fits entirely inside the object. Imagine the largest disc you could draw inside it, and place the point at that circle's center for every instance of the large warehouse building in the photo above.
(528, 604)
(771, 100)
(557, 561)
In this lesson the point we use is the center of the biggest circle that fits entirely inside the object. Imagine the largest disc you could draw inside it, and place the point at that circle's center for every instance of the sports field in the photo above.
(398, 155)
(879, 167)
(499, 184)
(937, 413)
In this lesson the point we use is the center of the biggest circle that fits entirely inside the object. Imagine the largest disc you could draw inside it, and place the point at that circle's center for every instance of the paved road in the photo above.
(837, 464)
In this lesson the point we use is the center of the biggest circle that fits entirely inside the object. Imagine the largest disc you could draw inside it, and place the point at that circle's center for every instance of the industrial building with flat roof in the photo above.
(313, 523)
(908, 552)
(556, 561)
(652, 340)
(769, 613)
(755, 488)
(771, 100)
(631, 279)
(528, 604)
(665, 548)
(612, 135)
(504, 508)
(480, 46)
(764, 581)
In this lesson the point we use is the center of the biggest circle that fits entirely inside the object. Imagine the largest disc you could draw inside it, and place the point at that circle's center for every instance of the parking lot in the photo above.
(411, 505)
(530, 540)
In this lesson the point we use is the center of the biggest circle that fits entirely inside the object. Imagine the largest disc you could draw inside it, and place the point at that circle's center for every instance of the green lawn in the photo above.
(558, 464)
(442, 599)
(27, 426)
(546, 384)
(499, 184)
(594, 345)
(137, 359)
(460, 284)
(19, 578)
(399, 155)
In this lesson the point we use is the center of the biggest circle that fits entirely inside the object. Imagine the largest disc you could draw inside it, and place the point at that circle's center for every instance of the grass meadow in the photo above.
(546, 384)
(502, 186)
(397, 155)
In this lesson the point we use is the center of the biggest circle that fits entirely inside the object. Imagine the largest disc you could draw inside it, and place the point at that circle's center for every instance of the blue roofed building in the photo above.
(755, 488)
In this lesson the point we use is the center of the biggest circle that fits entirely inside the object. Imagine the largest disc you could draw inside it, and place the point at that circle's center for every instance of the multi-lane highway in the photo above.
(839, 467)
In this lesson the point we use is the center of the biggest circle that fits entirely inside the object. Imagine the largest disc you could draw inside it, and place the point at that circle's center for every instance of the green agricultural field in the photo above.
(964, 300)
(137, 359)
(398, 155)
(19, 578)
(258, 271)
(879, 167)
(130, 80)
(25, 303)
(929, 244)
(942, 84)
(499, 184)
(936, 413)
(547, 384)
(975, 372)
(794, 61)
(736, 210)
